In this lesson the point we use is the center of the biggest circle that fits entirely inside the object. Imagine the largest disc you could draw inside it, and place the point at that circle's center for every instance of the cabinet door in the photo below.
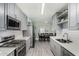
(2, 20)
(58, 49)
(72, 16)
(52, 46)
(55, 47)
(17, 13)
(78, 15)
(77, 12)
(20, 16)
(11, 9)
(66, 52)
(23, 24)
(27, 45)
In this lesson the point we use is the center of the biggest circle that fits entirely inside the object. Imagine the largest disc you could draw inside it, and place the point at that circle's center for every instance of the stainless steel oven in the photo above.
(21, 51)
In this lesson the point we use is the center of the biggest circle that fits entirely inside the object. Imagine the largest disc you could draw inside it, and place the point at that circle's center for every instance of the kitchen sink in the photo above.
(64, 41)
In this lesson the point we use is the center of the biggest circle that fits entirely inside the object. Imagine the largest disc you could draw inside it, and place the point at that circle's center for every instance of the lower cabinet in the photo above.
(55, 48)
(27, 45)
(59, 50)
(11, 54)
(52, 46)
(66, 52)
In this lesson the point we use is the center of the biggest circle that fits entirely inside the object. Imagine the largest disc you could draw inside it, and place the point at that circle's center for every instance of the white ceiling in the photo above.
(33, 10)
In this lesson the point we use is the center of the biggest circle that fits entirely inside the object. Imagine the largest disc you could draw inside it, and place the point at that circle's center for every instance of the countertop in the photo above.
(4, 51)
(71, 47)
(23, 38)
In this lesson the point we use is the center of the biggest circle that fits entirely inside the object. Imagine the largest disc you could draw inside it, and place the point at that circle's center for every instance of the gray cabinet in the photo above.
(11, 9)
(66, 52)
(6, 9)
(55, 48)
(52, 46)
(21, 16)
(77, 12)
(17, 13)
(23, 24)
(27, 45)
(78, 15)
(2, 17)
(14, 11)
(72, 16)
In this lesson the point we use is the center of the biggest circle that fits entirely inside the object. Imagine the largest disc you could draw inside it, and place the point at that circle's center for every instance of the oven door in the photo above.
(21, 51)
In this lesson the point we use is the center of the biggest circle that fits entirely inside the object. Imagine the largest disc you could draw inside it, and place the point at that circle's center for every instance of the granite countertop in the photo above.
(4, 51)
(71, 47)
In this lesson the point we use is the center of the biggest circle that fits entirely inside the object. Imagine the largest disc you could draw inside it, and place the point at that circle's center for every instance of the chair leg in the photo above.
(44, 38)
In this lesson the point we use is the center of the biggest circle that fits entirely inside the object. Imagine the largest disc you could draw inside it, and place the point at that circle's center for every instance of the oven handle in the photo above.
(21, 49)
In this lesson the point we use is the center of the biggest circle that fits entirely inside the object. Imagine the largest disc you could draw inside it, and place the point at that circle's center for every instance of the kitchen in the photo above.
(39, 29)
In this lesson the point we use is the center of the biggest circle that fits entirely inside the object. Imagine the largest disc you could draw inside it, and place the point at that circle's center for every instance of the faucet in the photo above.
(66, 35)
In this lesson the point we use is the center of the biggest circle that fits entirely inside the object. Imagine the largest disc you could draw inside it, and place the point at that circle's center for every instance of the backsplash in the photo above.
(18, 34)
(60, 33)
(74, 35)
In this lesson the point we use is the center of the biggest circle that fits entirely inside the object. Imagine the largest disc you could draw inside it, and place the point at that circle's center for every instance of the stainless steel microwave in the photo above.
(13, 24)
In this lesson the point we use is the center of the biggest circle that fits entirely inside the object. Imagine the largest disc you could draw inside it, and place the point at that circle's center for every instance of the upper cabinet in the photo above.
(73, 16)
(61, 20)
(67, 17)
(21, 16)
(23, 23)
(15, 13)
(11, 9)
(2, 16)
(78, 15)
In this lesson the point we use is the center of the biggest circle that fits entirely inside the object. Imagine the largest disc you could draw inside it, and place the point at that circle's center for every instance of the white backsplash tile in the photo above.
(18, 34)
(74, 35)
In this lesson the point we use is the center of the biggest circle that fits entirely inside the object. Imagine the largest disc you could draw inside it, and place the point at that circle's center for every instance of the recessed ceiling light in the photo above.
(42, 8)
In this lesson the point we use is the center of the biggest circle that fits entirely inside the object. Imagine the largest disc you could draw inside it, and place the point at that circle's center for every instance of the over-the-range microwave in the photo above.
(13, 24)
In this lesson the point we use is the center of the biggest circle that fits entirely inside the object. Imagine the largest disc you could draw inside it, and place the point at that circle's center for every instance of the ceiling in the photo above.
(33, 10)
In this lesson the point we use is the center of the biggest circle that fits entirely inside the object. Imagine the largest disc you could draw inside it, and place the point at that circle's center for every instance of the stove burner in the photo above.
(14, 43)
